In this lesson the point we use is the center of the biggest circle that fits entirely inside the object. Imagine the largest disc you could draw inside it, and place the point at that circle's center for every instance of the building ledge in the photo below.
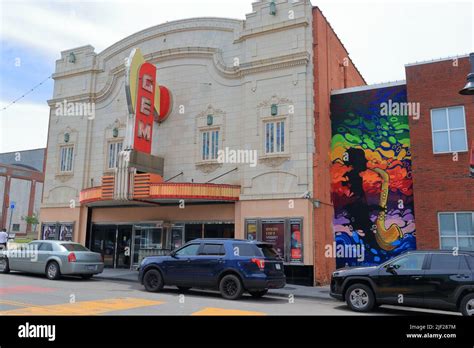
(147, 190)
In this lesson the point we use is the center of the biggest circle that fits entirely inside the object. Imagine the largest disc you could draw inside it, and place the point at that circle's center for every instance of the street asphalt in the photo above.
(24, 294)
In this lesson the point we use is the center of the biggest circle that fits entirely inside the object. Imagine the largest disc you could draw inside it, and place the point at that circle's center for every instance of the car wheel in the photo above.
(258, 294)
(467, 305)
(231, 287)
(86, 276)
(360, 298)
(183, 288)
(153, 281)
(4, 266)
(52, 271)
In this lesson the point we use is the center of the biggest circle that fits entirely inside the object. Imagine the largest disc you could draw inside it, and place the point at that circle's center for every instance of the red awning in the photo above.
(147, 189)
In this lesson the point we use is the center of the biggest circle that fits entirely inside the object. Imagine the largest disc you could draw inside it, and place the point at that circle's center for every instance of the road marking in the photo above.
(85, 307)
(222, 311)
(24, 289)
(16, 303)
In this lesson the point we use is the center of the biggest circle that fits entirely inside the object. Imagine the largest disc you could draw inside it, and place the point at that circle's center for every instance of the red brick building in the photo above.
(333, 69)
(441, 140)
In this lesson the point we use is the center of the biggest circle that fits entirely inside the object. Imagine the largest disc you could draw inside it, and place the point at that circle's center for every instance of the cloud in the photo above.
(54, 26)
(51, 30)
(23, 126)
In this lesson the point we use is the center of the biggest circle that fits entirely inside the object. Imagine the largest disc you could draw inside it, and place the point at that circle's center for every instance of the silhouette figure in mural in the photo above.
(375, 234)
(359, 209)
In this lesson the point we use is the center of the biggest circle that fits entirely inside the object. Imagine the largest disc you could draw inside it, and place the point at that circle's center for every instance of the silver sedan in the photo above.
(53, 258)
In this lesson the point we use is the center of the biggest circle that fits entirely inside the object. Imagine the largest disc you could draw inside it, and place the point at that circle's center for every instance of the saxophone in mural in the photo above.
(385, 236)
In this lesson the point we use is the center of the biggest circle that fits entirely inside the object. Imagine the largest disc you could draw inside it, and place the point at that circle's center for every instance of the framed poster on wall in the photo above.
(66, 232)
(296, 241)
(251, 230)
(57, 231)
(48, 232)
(273, 231)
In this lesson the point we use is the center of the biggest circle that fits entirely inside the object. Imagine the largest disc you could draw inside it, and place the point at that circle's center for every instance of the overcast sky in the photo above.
(381, 37)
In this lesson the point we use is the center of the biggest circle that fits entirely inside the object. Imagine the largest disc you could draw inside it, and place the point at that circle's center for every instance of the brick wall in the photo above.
(440, 183)
(332, 70)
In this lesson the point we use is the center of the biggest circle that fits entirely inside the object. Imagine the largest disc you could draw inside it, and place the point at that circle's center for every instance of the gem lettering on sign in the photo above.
(144, 131)
(147, 83)
(145, 106)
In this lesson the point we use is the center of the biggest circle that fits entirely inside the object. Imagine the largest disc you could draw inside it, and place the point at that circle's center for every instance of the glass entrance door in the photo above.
(147, 241)
(103, 242)
(113, 242)
(124, 245)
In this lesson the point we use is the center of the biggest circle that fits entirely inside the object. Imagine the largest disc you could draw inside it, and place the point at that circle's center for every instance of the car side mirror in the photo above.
(391, 269)
(173, 254)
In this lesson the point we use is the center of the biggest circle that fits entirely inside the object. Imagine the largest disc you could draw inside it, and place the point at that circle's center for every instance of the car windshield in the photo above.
(74, 247)
(268, 251)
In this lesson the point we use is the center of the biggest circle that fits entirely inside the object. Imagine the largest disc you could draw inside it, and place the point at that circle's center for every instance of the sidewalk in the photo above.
(298, 291)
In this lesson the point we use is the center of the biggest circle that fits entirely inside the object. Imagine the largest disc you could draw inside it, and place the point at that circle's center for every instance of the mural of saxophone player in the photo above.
(371, 184)
(360, 211)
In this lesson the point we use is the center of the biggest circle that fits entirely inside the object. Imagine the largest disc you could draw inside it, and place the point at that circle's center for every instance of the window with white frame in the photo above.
(114, 148)
(456, 230)
(275, 137)
(448, 126)
(210, 144)
(66, 158)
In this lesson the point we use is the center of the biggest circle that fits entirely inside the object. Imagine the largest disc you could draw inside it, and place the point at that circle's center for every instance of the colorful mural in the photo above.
(371, 180)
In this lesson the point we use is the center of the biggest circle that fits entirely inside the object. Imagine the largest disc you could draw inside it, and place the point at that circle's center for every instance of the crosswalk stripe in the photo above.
(84, 307)
(16, 303)
(24, 289)
(223, 311)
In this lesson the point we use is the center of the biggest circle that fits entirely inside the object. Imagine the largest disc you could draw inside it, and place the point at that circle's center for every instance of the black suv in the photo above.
(431, 279)
(230, 265)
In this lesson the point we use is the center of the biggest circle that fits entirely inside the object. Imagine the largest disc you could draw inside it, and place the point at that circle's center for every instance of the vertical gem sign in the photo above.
(144, 108)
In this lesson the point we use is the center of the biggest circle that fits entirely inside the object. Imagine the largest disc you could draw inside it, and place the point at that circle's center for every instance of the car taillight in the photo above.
(260, 263)
(71, 257)
(102, 257)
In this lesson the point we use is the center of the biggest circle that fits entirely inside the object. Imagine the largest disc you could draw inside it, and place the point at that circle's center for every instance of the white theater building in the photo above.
(236, 85)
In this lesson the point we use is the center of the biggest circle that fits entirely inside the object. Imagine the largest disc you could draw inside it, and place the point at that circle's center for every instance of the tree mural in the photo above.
(371, 180)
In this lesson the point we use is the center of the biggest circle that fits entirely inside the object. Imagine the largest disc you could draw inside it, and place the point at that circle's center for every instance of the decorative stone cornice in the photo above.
(273, 28)
(230, 72)
(76, 72)
(84, 97)
(204, 23)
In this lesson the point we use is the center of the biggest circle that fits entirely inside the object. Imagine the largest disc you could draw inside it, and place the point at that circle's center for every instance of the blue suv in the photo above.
(230, 265)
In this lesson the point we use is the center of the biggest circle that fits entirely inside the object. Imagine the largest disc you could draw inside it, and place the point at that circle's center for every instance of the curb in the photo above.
(117, 279)
(296, 296)
(271, 292)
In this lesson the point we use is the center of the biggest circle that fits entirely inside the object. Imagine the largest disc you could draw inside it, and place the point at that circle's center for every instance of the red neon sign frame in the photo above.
(144, 108)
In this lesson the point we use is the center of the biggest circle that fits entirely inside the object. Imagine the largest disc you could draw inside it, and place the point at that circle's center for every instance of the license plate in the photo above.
(91, 268)
(277, 266)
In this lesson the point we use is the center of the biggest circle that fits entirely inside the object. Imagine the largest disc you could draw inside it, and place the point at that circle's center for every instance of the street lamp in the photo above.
(469, 87)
